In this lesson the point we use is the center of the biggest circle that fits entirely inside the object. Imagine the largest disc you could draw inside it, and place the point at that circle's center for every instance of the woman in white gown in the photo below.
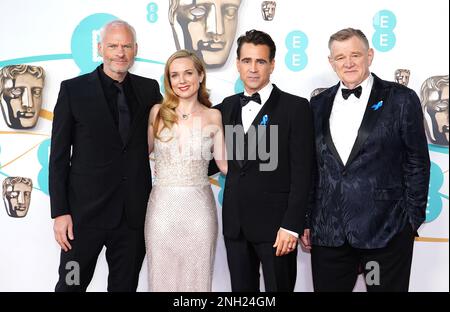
(181, 222)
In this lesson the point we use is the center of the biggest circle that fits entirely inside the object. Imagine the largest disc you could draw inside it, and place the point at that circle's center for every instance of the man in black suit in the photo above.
(100, 177)
(372, 175)
(269, 137)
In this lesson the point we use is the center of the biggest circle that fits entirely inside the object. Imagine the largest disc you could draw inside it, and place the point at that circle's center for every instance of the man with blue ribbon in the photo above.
(264, 207)
(373, 169)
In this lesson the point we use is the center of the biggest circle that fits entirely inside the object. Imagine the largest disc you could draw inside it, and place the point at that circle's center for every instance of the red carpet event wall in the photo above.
(45, 42)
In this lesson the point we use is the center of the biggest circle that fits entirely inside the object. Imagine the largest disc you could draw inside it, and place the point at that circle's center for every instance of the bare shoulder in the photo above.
(214, 116)
(155, 109)
(153, 112)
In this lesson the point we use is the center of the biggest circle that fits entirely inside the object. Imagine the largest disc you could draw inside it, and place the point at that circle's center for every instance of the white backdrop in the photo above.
(49, 33)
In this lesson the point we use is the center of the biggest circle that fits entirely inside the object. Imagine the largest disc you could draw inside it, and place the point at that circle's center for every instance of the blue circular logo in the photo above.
(85, 39)
(384, 38)
(384, 41)
(296, 61)
(384, 20)
(152, 12)
(296, 42)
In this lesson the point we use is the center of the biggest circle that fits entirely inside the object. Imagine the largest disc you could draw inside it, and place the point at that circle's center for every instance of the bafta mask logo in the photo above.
(21, 95)
(17, 196)
(402, 76)
(434, 98)
(317, 92)
(207, 27)
(268, 10)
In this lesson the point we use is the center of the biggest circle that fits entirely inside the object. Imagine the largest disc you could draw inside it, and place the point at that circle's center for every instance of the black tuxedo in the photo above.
(102, 182)
(381, 191)
(256, 203)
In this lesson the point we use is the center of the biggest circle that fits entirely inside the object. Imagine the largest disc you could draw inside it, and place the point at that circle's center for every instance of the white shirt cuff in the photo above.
(290, 232)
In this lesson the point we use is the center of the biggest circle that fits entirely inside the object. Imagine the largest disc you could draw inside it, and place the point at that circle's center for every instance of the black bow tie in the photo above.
(346, 92)
(245, 99)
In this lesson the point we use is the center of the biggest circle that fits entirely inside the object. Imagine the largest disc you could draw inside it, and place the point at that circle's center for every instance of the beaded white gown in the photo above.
(181, 219)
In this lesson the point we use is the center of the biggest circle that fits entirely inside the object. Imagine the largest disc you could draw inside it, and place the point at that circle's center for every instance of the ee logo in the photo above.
(152, 12)
(296, 58)
(384, 38)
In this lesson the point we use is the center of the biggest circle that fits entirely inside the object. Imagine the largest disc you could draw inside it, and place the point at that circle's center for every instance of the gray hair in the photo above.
(348, 33)
(117, 22)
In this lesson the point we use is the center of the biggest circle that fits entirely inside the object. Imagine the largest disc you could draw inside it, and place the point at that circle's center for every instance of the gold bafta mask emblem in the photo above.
(21, 89)
(402, 76)
(268, 10)
(434, 98)
(207, 27)
(17, 196)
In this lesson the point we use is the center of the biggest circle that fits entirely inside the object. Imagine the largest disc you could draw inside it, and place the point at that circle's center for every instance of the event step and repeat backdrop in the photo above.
(46, 41)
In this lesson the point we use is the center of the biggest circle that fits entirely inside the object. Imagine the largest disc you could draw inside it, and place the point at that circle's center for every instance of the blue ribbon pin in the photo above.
(264, 120)
(377, 106)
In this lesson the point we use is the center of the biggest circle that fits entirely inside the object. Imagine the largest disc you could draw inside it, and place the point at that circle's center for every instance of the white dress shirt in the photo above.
(346, 117)
(251, 110)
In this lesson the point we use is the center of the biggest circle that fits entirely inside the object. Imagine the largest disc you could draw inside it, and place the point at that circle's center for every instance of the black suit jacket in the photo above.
(384, 184)
(93, 175)
(259, 202)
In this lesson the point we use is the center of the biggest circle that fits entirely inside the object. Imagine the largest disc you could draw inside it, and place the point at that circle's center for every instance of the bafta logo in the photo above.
(206, 27)
(434, 98)
(17, 196)
(268, 10)
(21, 95)
(402, 76)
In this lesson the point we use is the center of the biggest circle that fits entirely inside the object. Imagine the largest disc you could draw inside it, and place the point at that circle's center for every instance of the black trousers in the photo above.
(125, 251)
(244, 259)
(385, 269)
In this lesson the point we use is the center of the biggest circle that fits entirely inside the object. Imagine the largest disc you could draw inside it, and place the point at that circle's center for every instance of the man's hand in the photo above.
(62, 228)
(285, 243)
(305, 239)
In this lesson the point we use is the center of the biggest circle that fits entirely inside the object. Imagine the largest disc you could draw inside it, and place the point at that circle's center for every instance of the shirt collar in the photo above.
(108, 81)
(365, 84)
(264, 93)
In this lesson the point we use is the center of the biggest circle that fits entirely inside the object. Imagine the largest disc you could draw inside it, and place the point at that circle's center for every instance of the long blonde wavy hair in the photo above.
(167, 114)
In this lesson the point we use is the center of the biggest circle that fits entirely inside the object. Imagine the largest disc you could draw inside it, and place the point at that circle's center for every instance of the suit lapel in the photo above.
(326, 124)
(256, 136)
(375, 106)
(237, 121)
(232, 116)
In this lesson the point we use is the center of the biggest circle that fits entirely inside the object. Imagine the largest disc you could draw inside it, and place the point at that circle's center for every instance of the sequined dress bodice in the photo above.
(182, 163)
